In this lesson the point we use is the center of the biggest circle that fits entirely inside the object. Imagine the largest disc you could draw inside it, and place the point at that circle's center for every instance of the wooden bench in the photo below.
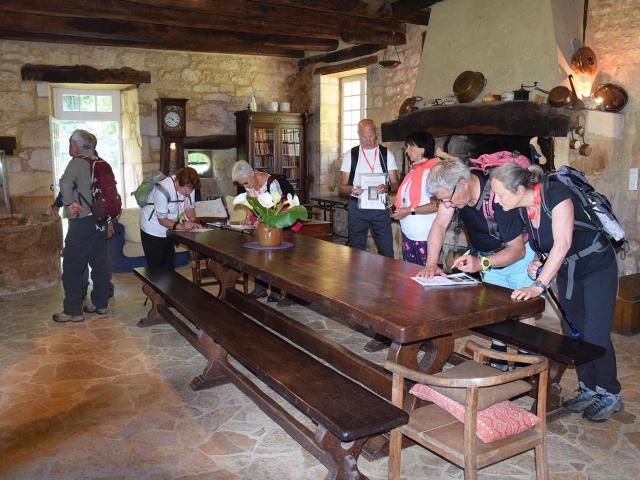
(562, 351)
(343, 410)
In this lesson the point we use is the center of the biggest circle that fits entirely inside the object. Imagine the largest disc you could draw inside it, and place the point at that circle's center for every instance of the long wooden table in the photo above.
(370, 290)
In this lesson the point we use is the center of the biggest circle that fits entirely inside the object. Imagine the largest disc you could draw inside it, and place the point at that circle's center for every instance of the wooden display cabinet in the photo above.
(274, 143)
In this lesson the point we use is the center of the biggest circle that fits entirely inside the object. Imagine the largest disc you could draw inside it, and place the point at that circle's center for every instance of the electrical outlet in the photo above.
(633, 179)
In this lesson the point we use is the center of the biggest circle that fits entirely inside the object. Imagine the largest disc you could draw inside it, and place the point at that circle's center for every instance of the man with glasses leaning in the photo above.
(497, 247)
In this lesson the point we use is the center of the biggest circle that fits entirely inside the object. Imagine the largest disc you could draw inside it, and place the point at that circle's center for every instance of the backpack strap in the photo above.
(354, 164)
(166, 193)
(485, 205)
(383, 158)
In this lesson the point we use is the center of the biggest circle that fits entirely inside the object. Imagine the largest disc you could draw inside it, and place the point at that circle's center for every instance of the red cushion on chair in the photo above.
(493, 423)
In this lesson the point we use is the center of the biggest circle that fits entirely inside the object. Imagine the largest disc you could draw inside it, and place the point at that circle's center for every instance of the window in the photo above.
(97, 111)
(353, 106)
(201, 162)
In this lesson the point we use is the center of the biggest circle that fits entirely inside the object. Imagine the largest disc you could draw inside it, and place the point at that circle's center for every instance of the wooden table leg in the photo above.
(342, 462)
(153, 317)
(226, 276)
(212, 375)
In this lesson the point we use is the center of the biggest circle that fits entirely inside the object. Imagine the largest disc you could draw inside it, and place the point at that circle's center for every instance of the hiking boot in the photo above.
(501, 365)
(91, 308)
(604, 405)
(64, 318)
(258, 293)
(584, 397)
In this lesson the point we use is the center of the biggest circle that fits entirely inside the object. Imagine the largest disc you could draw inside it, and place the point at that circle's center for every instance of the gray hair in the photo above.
(85, 141)
(241, 169)
(446, 174)
(512, 176)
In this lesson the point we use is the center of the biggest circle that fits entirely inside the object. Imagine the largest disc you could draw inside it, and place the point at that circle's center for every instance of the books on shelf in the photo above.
(446, 281)
(291, 135)
(291, 149)
(263, 148)
(263, 134)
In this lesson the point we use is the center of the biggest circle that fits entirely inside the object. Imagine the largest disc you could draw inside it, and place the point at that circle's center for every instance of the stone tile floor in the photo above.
(105, 399)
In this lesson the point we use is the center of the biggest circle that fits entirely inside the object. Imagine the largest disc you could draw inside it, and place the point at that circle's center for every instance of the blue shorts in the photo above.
(512, 276)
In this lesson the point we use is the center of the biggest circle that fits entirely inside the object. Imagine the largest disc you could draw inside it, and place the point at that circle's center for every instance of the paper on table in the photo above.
(448, 281)
(370, 198)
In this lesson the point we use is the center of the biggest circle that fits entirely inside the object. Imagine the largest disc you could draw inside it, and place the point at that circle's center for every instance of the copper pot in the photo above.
(614, 97)
(559, 96)
(468, 86)
(409, 105)
(584, 61)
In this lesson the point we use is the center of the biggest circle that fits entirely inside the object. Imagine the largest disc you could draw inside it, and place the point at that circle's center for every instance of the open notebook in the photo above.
(446, 281)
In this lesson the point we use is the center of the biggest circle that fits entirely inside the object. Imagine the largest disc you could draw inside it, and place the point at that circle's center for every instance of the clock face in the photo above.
(172, 119)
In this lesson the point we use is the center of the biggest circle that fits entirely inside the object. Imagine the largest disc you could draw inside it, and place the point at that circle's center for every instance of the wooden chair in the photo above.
(437, 430)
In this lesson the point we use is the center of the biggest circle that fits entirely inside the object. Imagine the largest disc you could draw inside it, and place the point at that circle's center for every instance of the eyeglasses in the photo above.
(447, 202)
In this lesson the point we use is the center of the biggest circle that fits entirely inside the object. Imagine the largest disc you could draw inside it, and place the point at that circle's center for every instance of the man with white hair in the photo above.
(86, 240)
(368, 157)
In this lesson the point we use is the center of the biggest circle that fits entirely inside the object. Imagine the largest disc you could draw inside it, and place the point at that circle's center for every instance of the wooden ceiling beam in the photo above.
(340, 55)
(416, 12)
(278, 14)
(83, 74)
(136, 12)
(187, 38)
(343, 67)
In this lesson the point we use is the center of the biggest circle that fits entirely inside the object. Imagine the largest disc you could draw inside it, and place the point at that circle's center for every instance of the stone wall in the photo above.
(215, 84)
(612, 32)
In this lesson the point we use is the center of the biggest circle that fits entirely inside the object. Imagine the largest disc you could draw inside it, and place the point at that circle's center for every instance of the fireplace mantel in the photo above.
(516, 118)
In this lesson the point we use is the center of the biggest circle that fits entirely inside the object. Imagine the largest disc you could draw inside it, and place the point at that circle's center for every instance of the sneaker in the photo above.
(64, 318)
(284, 302)
(584, 397)
(91, 308)
(604, 405)
(501, 365)
(521, 364)
(273, 297)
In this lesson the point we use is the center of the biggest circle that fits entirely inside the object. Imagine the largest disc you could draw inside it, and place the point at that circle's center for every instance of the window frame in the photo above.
(362, 77)
(61, 114)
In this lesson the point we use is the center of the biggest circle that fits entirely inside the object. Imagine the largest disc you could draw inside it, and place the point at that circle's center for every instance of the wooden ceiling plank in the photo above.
(340, 55)
(83, 74)
(343, 67)
(270, 13)
(183, 47)
(130, 11)
(145, 32)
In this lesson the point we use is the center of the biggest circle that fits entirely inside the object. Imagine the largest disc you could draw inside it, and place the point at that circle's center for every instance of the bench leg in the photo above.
(343, 461)
(225, 275)
(212, 375)
(153, 317)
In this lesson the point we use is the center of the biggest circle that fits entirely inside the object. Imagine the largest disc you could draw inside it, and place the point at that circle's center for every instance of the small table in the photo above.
(328, 204)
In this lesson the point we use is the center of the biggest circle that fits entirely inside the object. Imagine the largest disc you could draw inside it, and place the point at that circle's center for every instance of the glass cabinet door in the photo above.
(290, 159)
(263, 149)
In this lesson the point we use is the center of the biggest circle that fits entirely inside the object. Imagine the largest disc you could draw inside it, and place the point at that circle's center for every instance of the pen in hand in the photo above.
(455, 264)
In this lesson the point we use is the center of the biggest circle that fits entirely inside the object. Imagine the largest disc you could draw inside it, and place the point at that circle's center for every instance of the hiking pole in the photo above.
(574, 331)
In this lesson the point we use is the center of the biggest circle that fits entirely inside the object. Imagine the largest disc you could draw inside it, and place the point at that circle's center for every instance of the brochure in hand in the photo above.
(446, 281)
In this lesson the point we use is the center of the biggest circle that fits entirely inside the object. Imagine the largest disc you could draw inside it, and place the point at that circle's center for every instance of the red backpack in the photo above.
(106, 202)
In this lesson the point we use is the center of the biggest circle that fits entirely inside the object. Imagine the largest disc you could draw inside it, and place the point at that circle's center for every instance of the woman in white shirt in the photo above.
(171, 209)
(413, 207)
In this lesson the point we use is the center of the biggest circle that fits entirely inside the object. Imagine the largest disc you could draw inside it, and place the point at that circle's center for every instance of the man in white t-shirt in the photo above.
(368, 157)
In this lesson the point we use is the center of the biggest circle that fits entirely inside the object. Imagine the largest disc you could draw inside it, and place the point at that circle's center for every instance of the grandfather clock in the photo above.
(172, 120)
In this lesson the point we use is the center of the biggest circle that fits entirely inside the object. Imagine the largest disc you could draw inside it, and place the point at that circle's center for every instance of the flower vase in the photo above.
(269, 236)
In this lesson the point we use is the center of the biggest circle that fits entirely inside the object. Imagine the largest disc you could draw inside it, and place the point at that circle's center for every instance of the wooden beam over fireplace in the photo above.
(499, 118)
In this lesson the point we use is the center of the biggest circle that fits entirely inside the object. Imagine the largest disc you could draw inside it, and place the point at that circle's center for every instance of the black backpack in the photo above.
(285, 185)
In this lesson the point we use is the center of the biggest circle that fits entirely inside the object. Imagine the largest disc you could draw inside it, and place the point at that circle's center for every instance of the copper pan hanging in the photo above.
(584, 61)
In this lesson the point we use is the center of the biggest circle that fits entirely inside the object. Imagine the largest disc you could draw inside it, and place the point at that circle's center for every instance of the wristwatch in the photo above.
(539, 284)
(413, 211)
(485, 263)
